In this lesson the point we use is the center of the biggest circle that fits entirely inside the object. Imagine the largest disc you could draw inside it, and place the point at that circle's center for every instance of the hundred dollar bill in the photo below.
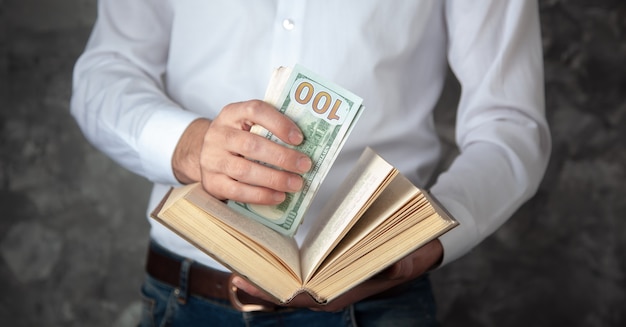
(326, 114)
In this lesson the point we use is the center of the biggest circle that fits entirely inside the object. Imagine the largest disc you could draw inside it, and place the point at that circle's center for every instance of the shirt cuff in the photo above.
(463, 237)
(158, 141)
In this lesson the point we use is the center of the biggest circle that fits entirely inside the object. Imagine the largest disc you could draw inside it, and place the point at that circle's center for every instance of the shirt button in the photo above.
(288, 24)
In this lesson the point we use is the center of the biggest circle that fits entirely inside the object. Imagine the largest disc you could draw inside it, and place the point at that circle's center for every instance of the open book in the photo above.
(376, 217)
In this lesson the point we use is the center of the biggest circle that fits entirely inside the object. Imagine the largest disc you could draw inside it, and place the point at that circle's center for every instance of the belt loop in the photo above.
(183, 286)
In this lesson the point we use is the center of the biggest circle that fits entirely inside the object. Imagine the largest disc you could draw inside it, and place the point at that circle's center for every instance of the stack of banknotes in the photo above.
(326, 114)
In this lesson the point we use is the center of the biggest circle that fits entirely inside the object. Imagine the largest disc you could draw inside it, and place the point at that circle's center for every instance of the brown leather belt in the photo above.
(204, 282)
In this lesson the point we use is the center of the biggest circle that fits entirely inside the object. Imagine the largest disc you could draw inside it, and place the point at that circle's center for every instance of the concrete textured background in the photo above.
(73, 236)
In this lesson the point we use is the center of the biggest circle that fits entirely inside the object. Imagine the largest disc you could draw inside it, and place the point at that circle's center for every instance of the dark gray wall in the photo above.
(73, 236)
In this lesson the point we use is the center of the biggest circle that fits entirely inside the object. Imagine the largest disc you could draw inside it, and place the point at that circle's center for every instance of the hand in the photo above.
(217, 154)
(410, 267)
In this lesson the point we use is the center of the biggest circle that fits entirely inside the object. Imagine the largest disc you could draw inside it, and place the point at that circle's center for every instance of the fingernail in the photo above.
(279, 197)
(295, 136)
(237, 281)
(304, 164)
(295, 183)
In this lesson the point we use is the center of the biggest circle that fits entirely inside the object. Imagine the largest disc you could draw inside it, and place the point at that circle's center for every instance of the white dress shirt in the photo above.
(153, 66)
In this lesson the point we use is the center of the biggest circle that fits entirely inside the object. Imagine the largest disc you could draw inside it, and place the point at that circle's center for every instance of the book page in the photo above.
(364, 183)
(284, 248)
(233, 249)
(276, 85)
(441, 211)
(396, 201)
(172, 197)
(380, 257)
(376, 245)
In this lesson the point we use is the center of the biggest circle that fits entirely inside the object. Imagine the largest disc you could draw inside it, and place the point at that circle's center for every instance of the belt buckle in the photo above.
(244, 307)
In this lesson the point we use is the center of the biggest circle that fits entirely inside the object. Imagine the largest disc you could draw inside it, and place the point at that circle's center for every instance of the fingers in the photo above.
(303, 300)
(246, 114)
(249, 186)
(243, 285)
(300, 301)
(399, 270)
(358, 293)
(416, 263)
(242, 166)
(255, 147)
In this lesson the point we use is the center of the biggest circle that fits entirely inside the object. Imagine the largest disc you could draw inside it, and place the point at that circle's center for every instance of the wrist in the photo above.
(186, 157)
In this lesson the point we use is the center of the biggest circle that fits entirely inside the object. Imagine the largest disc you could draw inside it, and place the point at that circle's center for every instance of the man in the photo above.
(168, 89)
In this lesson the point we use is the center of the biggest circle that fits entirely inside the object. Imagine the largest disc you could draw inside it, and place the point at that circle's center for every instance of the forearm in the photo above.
(501, 128)
(118, 97)
(128, 117)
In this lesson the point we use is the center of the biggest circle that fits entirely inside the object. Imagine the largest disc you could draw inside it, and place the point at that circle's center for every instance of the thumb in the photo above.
(399, 270)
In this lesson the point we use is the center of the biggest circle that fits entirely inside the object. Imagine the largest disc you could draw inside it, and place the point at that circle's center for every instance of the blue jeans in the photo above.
(165, 305)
